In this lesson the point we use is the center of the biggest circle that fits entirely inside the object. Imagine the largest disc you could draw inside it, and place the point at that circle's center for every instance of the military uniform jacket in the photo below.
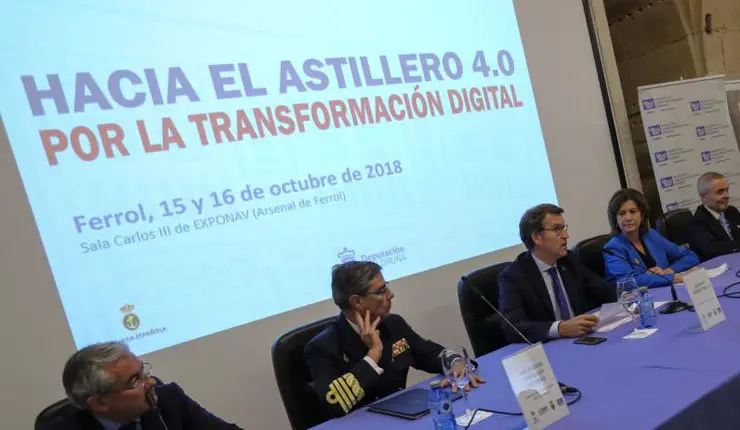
(344, 380)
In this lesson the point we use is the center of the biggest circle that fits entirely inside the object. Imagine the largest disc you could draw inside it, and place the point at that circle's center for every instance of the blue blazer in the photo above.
(667, 255)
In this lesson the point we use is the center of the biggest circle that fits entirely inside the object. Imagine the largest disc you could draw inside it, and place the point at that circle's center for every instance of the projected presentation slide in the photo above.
(193, 167)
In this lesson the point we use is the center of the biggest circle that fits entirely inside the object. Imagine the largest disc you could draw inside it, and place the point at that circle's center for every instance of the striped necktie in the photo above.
(725, 224)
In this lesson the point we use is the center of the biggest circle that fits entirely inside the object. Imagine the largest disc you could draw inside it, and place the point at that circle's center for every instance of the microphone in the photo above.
(151, 400)
(669, 308)
(564, 388)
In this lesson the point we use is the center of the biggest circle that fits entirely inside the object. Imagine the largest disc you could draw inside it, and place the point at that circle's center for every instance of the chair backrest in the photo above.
(481, 322)
(293, 377)
(588, 251)
(53, 411)
(674, 225)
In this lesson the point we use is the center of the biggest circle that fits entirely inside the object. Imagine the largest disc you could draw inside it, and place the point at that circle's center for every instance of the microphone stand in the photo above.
(566, 389)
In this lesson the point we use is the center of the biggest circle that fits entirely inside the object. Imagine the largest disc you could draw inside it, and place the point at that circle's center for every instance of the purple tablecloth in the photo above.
(680, 377)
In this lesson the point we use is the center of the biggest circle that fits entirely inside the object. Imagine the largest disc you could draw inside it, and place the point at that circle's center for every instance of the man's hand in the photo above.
(370, 335)
(678, 278)
(460, 369)
(578, 326)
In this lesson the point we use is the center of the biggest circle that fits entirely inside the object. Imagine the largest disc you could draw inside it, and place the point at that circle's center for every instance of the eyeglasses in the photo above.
(136, 381)
(558, 229)
(381, 291)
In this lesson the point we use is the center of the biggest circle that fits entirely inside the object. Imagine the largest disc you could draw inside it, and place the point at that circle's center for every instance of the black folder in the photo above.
(410, 404)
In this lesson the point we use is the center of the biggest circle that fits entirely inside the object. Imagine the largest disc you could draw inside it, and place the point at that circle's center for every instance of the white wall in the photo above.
(231, 372)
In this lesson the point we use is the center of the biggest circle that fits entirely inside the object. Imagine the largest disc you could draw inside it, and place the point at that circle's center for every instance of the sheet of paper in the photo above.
(641, 333)
(463, 421)
(621, 318)
(606, 328)
(713, 273)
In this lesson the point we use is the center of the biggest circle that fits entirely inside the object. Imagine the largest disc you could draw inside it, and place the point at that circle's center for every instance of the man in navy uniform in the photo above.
(366, 353)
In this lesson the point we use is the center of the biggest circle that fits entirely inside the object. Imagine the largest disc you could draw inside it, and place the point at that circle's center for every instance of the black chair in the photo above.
(55, 410)
(674, 225)
(588, 252)
(293, 377)
(481, 322)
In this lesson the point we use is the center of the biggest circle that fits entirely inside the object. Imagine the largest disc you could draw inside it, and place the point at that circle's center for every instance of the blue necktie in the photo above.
(725, 224)
(559, 294)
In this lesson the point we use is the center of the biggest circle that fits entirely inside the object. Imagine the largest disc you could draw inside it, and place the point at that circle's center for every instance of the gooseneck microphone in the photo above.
(669, 308)
(564, 388)
(151, 400)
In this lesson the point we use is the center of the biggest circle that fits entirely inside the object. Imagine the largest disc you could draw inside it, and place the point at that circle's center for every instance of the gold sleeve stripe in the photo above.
(333, 398)
(347, 400)
(352, 382)
(340, 382)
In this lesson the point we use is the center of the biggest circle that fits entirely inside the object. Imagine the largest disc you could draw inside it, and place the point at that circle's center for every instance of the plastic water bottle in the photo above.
(440, 407)
(648, 314)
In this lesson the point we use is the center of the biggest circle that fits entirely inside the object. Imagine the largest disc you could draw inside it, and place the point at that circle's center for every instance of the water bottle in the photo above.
(440, 407)
(648, 314)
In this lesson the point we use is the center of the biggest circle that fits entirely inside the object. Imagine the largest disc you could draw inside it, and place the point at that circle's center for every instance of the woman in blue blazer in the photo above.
(636, 250)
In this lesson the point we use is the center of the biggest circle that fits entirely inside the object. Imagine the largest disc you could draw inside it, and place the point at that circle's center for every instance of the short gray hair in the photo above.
(705, 180)
(84, 375)
(352, 278)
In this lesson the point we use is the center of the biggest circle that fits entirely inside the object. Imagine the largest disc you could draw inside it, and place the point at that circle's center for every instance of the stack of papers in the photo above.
(613, 315)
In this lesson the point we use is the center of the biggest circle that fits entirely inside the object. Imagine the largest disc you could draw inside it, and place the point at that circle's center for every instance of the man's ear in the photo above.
(537, 238)
(96, 405)
(355, 303)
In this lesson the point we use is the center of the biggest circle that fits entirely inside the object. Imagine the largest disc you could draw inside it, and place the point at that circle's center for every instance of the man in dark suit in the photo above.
(546, 290)
(715, 229)
(367, 352)
(113, 390)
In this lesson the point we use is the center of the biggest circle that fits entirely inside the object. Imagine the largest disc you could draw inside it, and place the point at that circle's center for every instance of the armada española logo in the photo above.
(130, 320)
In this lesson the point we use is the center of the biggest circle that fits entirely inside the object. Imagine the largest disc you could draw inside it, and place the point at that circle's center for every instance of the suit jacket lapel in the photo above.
(733, 220)
(714, 224)
(538, 284)
(88, 421)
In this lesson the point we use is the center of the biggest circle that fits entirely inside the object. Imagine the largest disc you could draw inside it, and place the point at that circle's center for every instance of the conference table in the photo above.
(679, 377)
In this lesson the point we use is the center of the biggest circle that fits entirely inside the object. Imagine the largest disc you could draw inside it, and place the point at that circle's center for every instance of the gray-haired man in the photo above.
(113, 390)
(367, 352)
(715, 229)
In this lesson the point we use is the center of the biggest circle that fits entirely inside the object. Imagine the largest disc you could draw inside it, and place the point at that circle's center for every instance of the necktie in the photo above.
(559, 294)
(725, 224)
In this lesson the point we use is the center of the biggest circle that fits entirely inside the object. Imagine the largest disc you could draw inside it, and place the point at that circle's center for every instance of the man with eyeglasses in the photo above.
(715, 229)
(367, 352)
(546, 291)
(110, 386)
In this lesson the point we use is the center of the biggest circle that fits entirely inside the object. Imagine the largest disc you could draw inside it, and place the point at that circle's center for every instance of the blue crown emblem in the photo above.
(648, 104)
(346, 255)
(655, 130)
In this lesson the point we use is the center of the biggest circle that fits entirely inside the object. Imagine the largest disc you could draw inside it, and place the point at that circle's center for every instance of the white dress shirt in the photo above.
(544, 267)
